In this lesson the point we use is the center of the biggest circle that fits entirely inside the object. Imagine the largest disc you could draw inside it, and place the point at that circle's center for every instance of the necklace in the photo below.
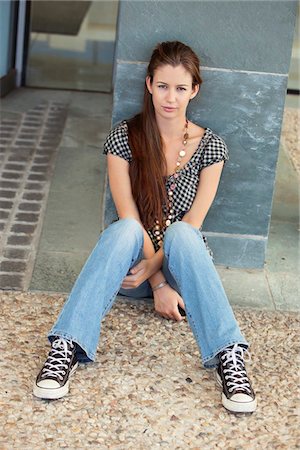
(170, 211)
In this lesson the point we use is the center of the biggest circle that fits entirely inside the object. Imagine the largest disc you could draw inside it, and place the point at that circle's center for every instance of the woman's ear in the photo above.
(148, 84)
(195, 91)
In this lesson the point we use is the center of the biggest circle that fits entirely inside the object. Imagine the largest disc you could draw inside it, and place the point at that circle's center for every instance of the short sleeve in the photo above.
(215, 151)
(116, 142)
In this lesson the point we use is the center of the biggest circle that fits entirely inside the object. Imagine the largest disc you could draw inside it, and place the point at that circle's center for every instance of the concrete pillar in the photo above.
(245, 50)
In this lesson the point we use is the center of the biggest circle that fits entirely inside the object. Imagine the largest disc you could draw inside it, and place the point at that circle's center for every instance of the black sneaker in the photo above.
(237, 395)
(53, 380)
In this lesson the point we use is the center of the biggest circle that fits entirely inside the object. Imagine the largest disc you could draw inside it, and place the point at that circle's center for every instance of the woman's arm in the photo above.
(206, 192)
(120, 186)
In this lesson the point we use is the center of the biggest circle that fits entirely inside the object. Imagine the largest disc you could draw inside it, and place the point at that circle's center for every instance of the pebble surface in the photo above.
(147, 388)
(290, 135)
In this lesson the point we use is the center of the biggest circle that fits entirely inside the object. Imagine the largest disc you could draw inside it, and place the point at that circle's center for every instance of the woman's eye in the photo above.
(180, 88)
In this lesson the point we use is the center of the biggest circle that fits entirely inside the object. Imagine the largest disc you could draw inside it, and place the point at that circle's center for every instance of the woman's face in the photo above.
(171, 90)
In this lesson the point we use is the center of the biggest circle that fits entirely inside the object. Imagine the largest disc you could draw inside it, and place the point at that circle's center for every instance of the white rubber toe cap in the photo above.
(241, 398)
(48, 384)
(239, 403)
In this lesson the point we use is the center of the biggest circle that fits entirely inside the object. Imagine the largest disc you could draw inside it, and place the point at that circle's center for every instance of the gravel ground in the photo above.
(290, 135)
(147, 389)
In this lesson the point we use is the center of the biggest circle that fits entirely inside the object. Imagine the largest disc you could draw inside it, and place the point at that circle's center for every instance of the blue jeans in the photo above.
(188, 268)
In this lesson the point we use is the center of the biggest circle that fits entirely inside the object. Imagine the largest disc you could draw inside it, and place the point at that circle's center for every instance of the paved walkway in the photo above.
(29, 144)
(50, 158)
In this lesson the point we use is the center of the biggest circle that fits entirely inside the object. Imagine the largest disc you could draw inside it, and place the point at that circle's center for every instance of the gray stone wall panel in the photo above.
(257, 33)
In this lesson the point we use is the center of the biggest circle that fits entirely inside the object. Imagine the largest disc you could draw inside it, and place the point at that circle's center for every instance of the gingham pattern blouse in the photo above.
(211, 149)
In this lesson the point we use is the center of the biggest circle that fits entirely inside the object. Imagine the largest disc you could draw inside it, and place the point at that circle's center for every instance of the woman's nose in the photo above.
(170, 96)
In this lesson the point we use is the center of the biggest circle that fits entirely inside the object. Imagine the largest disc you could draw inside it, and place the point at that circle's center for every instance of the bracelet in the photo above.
(160, 285)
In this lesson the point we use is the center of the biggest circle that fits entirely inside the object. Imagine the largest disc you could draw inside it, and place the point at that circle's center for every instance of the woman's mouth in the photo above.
(168, 108)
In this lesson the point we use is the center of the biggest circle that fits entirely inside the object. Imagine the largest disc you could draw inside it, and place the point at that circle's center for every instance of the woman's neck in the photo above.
(171, 129)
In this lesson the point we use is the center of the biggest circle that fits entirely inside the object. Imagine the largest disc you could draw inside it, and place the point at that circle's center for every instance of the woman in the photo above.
(164, 173)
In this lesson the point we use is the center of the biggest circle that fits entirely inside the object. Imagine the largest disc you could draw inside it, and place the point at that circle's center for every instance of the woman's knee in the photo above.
(125, 229)
(181, 234)
(130, 225)
(179, 230)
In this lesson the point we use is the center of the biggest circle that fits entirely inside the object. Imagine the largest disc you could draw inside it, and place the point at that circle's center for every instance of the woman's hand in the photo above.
(166, 301)
(141, 272)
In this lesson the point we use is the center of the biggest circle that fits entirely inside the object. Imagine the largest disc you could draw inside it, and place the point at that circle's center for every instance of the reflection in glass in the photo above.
(72, 45)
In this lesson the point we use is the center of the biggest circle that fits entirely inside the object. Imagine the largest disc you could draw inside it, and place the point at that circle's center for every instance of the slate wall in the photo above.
(245, 51)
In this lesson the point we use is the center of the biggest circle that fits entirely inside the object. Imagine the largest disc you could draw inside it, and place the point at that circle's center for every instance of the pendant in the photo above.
(169, 216)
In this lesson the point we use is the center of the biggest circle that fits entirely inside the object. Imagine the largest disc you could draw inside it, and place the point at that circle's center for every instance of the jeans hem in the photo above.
(213, 357)
(88, 357)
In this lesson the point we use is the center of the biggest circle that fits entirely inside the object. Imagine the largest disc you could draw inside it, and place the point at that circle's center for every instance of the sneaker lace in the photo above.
(234, 367)
(58, 356)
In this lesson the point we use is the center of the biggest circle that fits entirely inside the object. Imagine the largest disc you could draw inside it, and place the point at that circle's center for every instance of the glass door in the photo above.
(71, 45)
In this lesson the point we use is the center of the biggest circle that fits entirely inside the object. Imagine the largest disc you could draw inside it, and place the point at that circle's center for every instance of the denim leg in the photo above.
(97, 285)
(208, 310)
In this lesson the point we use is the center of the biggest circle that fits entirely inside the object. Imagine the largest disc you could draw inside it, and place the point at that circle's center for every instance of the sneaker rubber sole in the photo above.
(54, 393)
(233, 406)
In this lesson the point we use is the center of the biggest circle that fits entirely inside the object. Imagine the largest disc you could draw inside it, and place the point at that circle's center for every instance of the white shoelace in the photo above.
(237, 376)
(56, 361)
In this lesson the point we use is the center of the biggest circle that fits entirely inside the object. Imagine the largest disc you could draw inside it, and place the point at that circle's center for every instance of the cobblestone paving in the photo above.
(28, 149)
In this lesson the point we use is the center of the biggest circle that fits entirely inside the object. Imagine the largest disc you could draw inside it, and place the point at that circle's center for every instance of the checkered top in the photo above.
(211, 149)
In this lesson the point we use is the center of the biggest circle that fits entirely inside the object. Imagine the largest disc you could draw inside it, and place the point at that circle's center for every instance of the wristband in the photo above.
(160, 285)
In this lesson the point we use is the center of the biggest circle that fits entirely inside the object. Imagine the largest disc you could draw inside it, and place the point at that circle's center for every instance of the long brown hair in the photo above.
(148, 163)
